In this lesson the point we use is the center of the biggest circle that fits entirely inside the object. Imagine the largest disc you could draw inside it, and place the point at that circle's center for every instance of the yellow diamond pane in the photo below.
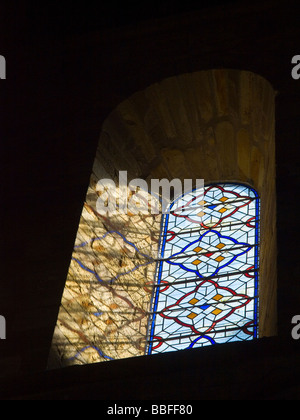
(196, 262)
(198, 249)
(201, 214)
(192, 315)
(220, 259)
(222, 210)
(223, 199)
(218, 297)
(216, 312)
(220, 246)
(193, 301)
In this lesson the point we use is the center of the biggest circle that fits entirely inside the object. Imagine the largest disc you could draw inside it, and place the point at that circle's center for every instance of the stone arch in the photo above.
(216, 125)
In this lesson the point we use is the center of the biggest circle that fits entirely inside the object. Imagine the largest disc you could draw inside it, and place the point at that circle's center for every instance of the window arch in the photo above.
(207, 275)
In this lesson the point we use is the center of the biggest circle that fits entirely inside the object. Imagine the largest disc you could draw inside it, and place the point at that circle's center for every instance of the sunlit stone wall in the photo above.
(104, 309)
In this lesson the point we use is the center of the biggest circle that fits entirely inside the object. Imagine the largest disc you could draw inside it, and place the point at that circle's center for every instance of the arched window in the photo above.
(207, 275)
(146, 283)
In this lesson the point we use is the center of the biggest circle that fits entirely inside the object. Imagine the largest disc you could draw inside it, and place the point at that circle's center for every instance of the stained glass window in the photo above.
(207, 275)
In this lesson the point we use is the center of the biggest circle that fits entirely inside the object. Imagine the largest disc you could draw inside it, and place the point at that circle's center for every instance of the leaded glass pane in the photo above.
(207, 274)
